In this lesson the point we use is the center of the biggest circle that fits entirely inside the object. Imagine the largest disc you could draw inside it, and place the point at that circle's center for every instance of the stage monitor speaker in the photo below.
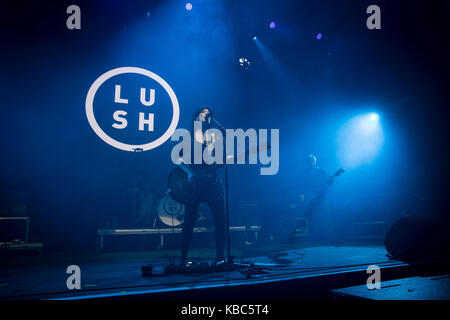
(419, 238)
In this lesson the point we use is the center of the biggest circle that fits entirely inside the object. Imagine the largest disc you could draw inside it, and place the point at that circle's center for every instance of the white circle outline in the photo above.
(120, 145)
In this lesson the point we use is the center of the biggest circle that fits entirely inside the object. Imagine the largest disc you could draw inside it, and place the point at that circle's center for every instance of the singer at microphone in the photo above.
(208, 187)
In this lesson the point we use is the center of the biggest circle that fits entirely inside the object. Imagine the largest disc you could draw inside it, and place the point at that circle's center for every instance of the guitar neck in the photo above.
(337, 174)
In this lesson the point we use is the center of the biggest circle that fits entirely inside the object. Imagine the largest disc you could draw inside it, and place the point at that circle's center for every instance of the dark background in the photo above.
(73, 183)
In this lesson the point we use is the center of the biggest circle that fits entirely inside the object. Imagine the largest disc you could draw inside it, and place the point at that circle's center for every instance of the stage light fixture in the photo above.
(188, 6)
(272, 25)
(255, 37)
(245, 63)
(319, 36)
(373, 117)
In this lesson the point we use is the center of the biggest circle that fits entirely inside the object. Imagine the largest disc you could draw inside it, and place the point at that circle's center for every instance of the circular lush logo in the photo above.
(145, 120)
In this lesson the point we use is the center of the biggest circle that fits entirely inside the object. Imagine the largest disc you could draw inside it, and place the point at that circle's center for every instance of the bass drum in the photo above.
(171, 213)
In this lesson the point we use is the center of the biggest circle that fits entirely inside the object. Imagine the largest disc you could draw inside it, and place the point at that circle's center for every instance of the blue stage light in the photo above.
(188, 6)
(272, 25)
(255, 37)
(319, 36)
(373, 117)
(360, 140)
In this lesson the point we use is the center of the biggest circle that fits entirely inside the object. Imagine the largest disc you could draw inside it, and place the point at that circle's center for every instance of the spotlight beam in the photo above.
(283, 75)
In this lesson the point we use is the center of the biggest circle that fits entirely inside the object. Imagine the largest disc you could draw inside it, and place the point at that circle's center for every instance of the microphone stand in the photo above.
(227, 212)
(248, 269)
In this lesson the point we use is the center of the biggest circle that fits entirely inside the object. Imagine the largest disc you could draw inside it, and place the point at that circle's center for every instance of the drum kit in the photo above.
(157, 209)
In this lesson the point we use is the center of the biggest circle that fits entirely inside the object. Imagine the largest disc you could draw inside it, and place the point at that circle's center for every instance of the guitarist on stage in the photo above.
(315, 183)
(208, 188)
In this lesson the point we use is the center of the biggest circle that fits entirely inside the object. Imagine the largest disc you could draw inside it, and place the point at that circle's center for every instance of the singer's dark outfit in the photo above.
(209, 189)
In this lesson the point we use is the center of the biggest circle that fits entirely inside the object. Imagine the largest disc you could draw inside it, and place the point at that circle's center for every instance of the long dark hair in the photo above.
(200, 110)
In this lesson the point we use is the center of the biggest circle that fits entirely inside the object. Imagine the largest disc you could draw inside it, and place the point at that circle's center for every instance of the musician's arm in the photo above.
(325, 178)
(185, 167)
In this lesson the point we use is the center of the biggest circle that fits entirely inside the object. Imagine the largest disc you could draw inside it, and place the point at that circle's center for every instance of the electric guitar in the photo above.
(311, 198)
(183, 180)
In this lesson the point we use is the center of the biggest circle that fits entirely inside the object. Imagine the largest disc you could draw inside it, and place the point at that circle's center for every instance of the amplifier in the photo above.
(294, 228)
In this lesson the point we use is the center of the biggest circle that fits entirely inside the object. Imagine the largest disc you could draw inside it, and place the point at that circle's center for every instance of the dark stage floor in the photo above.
(295, 273)
(410, 288)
